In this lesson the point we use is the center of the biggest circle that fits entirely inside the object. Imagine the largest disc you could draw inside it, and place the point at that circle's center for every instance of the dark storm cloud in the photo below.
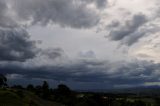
(15, 45)
(136, 73)
(129, 32)
(70, 13)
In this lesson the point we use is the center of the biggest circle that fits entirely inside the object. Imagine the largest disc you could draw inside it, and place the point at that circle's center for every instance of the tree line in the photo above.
(63, 94)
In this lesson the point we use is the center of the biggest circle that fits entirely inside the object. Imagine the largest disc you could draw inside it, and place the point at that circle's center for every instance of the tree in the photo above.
(139, 103)
(30, 87)
(63, 89)
(45, 90)
(64, 95)
(17, 87)
(45, 85)
(38, 90)
(3, 80)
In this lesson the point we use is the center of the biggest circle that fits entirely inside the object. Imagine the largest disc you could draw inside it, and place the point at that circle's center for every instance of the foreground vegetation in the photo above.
(17, 96)
(14, 97)
(42, 95)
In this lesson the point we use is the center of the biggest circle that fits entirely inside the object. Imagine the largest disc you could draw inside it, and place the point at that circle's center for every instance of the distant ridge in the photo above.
(148, 90)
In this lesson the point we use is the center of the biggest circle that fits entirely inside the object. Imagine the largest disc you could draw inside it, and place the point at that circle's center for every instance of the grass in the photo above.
(10, 97)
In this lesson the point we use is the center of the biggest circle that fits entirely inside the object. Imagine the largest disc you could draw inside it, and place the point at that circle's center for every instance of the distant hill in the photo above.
(149, 90)
(11, 97)
(141, 90)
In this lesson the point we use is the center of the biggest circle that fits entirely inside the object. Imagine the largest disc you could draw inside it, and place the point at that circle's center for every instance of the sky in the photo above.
(86, 44)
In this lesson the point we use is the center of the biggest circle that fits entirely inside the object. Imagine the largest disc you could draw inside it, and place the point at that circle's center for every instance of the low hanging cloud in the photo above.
(84, 71)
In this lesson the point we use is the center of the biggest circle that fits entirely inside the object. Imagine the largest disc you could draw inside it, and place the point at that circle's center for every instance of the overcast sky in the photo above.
(85, 44)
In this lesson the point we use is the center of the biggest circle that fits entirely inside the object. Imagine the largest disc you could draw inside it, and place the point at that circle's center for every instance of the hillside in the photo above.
(11, 97)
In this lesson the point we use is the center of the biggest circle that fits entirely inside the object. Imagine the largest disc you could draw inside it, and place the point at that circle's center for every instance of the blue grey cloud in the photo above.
(130, 32)
(15, 45)
(19, 54)
(70, 13)
(123, 73)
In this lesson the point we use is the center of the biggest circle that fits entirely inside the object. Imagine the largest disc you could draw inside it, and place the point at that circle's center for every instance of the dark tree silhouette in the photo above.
(30, 87)
(38, 90)
(45, 85)
(17, 87)
(64, 95)
(63, 89)
(3, 80)
(45, 90)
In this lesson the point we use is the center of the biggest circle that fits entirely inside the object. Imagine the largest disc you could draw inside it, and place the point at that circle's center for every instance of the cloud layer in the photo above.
(21, 58)
(15, 45)
(129, 30)
(134, 73)
(71, 13)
